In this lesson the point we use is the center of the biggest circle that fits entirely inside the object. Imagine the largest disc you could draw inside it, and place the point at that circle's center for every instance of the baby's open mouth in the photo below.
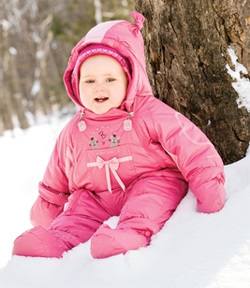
(101, 99)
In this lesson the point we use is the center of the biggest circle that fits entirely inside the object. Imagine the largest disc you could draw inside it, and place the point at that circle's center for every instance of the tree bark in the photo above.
(187, 52)
(6, 109)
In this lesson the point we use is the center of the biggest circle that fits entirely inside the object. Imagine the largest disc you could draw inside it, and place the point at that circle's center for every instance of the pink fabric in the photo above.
(143, 210)
(116, 242)
(110, 165)
(168, 153)
(99, 49)
(38, 242)
(44, 212)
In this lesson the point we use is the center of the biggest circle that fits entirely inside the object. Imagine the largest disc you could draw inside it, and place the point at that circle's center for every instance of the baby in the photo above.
(125, 153)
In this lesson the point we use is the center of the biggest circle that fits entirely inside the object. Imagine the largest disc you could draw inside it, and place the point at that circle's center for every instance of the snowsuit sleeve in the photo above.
(194, 155)
(53, 190)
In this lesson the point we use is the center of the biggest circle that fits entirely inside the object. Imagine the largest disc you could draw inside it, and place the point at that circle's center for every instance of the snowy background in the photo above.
(193, 250)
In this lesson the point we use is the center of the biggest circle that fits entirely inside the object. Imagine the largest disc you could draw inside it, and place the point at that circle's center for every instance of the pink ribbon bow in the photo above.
(110, 165)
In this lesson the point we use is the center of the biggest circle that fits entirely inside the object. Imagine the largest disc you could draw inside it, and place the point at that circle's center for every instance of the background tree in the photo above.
(36, 37)
(187, 51)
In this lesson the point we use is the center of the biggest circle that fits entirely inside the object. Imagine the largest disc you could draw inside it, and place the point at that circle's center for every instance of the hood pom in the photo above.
(139, 20)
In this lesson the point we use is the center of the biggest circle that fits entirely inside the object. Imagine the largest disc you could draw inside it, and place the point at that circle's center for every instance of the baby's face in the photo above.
(103, 83)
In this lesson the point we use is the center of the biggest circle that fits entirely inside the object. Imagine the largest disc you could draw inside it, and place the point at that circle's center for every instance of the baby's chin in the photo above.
(104, 111)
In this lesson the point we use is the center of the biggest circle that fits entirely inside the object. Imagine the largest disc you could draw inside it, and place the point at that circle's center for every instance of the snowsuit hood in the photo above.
(129, 44)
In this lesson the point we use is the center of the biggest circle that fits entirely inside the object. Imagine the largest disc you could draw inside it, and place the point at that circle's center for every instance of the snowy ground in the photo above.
(192, 251)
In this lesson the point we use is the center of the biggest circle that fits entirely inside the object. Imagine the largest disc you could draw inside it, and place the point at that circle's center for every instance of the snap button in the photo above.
(148, 234)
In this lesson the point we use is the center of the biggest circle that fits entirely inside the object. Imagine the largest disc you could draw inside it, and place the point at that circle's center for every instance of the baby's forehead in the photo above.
(102, 65)
(99, 58)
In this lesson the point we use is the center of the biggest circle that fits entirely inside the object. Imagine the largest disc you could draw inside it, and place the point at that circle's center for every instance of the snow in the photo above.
(36, 87)
(5, 24)
(241, 84)
(13, 51)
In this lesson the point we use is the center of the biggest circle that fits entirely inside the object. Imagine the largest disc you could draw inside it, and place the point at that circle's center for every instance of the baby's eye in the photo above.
(90, 81)
(110, 79)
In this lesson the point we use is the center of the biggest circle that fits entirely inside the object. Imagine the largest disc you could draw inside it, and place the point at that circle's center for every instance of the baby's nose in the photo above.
(99, 86)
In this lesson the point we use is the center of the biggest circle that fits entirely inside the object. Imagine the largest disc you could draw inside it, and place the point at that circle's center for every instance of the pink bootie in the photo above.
(108, 242)
(37, 242)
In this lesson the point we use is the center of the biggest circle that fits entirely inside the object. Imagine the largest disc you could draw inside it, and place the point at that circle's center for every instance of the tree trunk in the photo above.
(6, 109)
(187, 53)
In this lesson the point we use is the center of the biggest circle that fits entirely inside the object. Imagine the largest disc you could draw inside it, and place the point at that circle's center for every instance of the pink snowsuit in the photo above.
(135, 162)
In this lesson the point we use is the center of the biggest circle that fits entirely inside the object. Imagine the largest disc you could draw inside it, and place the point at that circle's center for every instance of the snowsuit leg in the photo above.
(75, 225)
(150, 203)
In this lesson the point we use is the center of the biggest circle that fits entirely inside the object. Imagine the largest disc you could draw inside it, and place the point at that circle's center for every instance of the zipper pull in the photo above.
(81, 124)
(127, 124)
